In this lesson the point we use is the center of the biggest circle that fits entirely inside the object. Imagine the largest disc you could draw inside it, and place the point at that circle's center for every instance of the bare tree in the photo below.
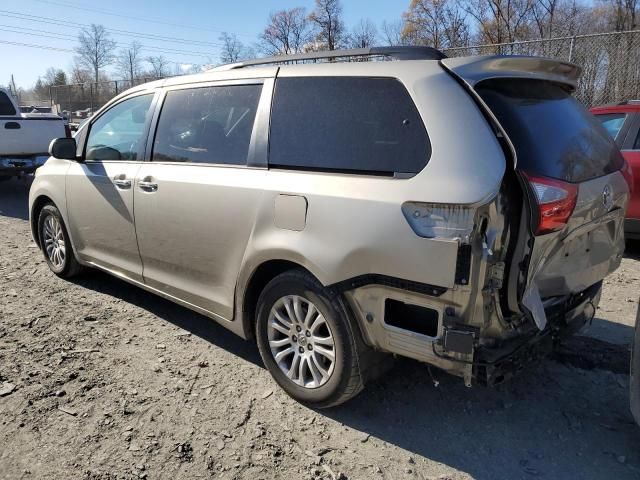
(437, 23)
(129, 62)
(364, 34)
(327, 18)
(79, 74)
(288, 31)
(501, 21)
(392, 33)
(159, 66)
(95, 49)
(624, 14)
(232, 50)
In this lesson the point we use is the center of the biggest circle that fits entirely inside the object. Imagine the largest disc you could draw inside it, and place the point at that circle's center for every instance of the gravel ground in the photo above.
(114, 383)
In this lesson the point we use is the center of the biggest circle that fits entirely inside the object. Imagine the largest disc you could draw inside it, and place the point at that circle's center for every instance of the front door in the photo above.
(195, 201)
(100, 188)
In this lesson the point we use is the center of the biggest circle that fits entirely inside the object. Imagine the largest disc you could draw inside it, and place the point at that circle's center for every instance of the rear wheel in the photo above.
(55, 243)
(307, 342)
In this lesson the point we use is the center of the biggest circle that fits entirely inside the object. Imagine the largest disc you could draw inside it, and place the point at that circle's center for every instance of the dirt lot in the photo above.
(114, 383)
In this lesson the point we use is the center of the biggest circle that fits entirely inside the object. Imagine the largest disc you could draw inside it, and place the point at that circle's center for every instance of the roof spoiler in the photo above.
(473, 70)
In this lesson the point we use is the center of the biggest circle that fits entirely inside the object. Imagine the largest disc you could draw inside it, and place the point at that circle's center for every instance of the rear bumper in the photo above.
(10, 167)
(493, 366)
(632, 228)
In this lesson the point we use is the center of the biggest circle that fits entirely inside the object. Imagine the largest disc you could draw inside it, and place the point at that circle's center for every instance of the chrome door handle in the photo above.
(148, 186)
(122, 183)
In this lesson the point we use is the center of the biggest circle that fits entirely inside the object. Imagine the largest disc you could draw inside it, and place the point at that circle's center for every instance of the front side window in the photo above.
(6, 106)
(349, 124)
(207, 125)
(636, 145)
(612, 122)
(119, 133)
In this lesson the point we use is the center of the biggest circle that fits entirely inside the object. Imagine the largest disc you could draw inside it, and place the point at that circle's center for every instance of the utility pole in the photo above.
(13, 88)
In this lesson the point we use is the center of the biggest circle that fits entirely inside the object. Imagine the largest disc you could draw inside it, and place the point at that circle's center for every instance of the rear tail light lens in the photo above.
(67, 131)
(555, 201)
(627, 173)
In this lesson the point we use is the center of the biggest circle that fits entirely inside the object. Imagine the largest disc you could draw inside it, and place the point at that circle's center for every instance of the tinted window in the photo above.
(612, 122)
(6, 107)
(348, 124)
(636, 145)
(554, 135)
(207, 125)
(119, 133)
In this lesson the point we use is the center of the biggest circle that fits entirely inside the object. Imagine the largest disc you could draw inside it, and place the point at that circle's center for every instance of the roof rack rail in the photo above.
(395, 53)
(629, 102)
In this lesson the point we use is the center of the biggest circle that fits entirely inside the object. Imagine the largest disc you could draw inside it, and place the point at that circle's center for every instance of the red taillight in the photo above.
(67, 131)
(555, 200)
(627, 173)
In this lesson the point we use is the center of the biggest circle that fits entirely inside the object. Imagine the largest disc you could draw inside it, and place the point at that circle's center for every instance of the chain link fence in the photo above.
(80, 101)
(610, 62)
(610, 70)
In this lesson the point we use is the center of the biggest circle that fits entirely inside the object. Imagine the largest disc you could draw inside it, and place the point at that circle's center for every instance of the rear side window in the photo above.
(6, 107)
(207, 125)
(636, 145)
(553, 134)
(612, 122)
(366, 125)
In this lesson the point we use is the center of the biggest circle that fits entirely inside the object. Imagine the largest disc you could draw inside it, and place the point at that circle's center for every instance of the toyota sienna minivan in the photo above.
(459, 211)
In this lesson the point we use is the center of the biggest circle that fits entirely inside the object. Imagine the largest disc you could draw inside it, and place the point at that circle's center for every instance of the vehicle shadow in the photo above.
(182, 317)
(14, 198)
(632, 249)
(553, 420)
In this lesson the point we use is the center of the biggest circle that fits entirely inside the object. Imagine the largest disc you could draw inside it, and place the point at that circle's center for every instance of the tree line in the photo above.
(438, 23)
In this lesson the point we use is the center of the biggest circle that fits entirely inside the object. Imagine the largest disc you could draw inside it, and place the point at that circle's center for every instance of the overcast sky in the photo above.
(51, 27)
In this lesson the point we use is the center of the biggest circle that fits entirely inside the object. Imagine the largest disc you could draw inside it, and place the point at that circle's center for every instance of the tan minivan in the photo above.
(459, 211)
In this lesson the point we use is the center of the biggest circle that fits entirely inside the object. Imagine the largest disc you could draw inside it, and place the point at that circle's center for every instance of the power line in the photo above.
(150, 36)
(131, 17)
(31, 45)
(46, 47)
(61, 36)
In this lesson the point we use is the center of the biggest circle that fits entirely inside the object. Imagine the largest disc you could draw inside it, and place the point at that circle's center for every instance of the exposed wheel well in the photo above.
(262, 275)
(38, 204)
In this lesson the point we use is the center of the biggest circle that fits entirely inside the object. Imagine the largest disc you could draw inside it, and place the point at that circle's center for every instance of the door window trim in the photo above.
(145, 134)
(259, 142)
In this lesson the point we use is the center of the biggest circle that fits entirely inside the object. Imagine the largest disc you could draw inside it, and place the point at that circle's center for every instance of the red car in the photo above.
(622, 121)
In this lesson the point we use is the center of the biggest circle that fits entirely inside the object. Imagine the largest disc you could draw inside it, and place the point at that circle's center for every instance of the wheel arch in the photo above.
(260, 276)
(36, 207)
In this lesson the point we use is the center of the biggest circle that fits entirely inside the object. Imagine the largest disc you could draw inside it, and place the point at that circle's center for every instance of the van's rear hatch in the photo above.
(569, 169)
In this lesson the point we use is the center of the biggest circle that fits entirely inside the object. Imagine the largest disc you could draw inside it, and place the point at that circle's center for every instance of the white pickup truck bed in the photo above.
(24, 139)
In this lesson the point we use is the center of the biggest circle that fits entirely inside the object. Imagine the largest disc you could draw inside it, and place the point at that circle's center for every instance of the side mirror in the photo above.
(63, 148)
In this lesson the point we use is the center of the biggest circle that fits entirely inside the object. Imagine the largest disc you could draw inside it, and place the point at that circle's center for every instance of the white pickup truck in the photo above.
(25, 138)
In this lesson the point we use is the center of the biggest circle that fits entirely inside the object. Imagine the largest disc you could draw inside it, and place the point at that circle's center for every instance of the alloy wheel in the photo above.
(54, 241)
(301, 341)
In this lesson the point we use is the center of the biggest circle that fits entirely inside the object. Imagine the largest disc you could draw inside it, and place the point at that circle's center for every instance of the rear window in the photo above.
(612, 122)
(360, 125)
(553, 134)
(6, 106)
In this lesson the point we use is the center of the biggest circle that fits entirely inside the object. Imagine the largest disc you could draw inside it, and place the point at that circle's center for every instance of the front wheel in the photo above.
(307, 342)
(55, 243)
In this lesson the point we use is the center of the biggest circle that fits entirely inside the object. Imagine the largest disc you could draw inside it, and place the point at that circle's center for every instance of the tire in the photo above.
(64, 264)
(345, 377)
